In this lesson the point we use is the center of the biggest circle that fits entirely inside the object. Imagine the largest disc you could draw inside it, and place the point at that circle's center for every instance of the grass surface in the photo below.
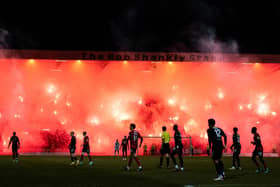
(54, 171)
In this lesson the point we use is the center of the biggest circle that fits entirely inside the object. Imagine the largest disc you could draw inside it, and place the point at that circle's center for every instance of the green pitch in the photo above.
(43, 171)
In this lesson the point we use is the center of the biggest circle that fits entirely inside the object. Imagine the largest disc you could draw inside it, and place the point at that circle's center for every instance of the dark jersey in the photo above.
(124, 143)
(215, 137)
(86, 142)
(15, 141)
(236, 140)
(72, 144)
(257, 141)
(117, 145)
(178, 138)
(133, 138)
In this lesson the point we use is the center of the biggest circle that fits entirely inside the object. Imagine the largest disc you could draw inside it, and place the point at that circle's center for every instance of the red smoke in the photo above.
(102, 98)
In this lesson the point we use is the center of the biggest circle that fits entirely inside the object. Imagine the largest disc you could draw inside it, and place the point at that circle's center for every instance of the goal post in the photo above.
(186, 140)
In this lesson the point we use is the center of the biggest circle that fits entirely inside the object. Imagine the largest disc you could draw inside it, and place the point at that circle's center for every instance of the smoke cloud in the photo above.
(37, 97)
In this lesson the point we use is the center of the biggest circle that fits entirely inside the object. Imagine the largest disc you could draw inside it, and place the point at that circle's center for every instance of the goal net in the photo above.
(152, 145)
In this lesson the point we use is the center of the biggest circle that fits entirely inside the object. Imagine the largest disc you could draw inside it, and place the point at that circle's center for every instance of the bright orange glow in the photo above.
(68, 104)
(263, 109)
(63, 122)
(249, 106)
(208, 106)
(50, 89)
(221, 95)
(17, 116)
(262, 98)
(31, 61)
(171, 101)
(20, 99)
(183, 108)
(240, 107)
(94, 121)
(57, 96)
(257, 65)
(103, 100)
(170, 62)
(78, 65)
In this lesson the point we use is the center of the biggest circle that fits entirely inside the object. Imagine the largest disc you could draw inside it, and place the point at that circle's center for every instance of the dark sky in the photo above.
(146, 25)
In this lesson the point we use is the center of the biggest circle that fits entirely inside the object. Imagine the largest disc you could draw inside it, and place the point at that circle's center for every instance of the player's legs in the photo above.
(17, 155)
(82, 156)
(219, 169)
(161, 156)
(87, 151)
(263, 162)
(216, 163)
(125, 153)
(131, 157)
(266, 170)
(73, 156)
(238, 158)
(260, 154)
(174, 152)
(238, 161)
(137, 161)
(234, 159)
(167, 160)
(219, 165)
(180, 156)
(255, 153)
(80, 162)
(165, 151)
(167, 155)
(134, 156)
(89, 156)
(14, 151)
(84, 151)
(14, 155)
